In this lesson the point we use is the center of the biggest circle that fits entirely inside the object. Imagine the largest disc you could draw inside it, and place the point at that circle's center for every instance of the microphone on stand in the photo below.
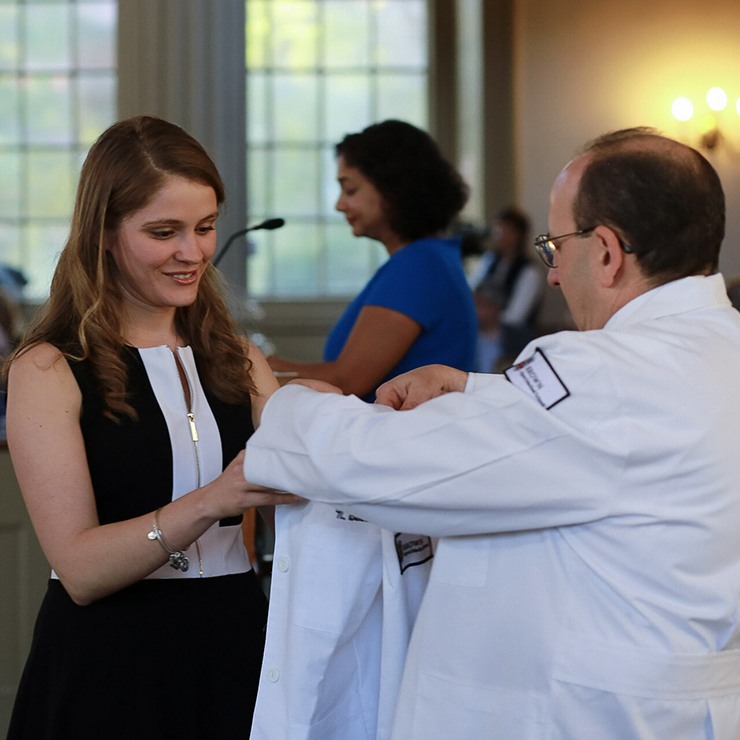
(269, 224)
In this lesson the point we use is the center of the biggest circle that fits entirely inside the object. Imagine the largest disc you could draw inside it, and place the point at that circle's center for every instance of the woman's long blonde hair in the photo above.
(123, 171)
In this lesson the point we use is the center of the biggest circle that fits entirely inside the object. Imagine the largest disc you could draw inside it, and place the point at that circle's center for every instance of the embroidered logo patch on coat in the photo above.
(412, 549)
(536, 377)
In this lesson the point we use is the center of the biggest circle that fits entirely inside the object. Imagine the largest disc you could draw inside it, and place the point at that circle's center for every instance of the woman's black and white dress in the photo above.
(178, 654)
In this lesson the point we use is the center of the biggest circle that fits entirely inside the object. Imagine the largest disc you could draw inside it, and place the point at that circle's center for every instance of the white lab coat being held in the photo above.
(587, 583)
(343, 599)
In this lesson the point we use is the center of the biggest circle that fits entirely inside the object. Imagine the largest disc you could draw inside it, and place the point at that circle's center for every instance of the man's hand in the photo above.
(407, 391)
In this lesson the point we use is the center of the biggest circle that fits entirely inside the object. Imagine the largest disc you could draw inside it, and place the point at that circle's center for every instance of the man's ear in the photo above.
(611, 256)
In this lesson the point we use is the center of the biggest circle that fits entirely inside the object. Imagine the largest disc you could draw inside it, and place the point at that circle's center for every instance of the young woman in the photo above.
(397, 188)
(129, 401)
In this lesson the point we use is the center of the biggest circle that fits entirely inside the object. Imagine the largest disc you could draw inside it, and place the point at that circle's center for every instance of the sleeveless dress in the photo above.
(178, 654)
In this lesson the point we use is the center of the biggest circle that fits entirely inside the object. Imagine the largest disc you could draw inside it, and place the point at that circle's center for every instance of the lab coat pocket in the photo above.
(450, 709)
(336, 565)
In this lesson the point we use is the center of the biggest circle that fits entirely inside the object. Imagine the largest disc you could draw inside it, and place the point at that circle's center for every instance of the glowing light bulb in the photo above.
(716, 98)
(737, 106)
(682, 109)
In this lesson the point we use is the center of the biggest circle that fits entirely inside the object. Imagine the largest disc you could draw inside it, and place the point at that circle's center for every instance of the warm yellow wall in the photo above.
(585, 67)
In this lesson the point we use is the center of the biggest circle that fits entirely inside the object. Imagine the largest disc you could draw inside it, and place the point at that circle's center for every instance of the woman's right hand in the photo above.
(50, 462)
(232, 494)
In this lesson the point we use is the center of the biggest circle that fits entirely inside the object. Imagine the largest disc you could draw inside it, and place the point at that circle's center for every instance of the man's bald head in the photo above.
(662, 197)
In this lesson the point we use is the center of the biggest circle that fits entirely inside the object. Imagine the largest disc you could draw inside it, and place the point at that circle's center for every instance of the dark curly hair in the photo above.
(422, 192)
(662, 197)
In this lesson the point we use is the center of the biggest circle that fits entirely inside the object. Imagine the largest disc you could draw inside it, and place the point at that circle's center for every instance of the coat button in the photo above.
(272, 675)
(283, 564)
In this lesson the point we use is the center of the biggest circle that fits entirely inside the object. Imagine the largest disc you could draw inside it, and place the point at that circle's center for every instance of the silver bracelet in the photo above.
(177, 558)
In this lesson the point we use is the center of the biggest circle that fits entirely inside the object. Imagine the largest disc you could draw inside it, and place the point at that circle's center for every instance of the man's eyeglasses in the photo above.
(547, 248)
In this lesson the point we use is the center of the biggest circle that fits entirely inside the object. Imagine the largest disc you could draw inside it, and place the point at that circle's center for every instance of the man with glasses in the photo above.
(586, 584)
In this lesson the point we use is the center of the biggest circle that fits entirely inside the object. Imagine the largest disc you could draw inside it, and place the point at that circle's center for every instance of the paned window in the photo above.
(57, 93)
(317, 70)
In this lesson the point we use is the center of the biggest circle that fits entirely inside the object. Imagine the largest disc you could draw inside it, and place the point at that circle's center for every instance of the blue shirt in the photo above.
(424, 281)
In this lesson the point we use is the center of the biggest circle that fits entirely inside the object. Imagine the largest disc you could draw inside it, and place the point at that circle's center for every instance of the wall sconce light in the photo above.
(707, 121)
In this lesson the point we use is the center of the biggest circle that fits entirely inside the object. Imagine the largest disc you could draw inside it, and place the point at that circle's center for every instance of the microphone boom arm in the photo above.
(269, 225)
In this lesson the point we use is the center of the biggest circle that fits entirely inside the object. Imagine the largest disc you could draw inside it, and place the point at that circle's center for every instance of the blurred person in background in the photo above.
(10, 328)
(345, 593)
(10, 324)
(507, 287)
(733, 291)
(397, 188)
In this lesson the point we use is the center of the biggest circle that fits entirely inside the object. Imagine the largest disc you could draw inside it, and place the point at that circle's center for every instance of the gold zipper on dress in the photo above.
(193, 432)
(188, 397)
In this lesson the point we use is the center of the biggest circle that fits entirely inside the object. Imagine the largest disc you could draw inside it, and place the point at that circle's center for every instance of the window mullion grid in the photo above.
(322, 267)
(374, 97)
(75, 146)
(24, 200)
(270, 144)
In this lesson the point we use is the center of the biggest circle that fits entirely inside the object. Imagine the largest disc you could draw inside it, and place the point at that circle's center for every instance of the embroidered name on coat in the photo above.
(538, 379)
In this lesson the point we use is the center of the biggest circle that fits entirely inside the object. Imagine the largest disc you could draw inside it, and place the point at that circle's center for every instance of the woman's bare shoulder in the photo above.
(40, 357)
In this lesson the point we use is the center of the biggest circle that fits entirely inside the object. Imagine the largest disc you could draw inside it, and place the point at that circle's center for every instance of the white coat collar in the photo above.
(676, 297)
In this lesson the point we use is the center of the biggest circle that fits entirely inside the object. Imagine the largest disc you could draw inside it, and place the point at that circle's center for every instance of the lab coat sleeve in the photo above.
(487, 460)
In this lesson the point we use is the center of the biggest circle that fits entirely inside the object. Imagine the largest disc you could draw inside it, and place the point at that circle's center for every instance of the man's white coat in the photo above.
(587, 583)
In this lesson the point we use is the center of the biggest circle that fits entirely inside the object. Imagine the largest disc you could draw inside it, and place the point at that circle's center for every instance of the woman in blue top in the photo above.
(417, 309)
(344, 594)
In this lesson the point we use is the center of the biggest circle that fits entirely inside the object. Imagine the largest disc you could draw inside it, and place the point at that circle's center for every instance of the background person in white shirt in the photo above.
(507, 289)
